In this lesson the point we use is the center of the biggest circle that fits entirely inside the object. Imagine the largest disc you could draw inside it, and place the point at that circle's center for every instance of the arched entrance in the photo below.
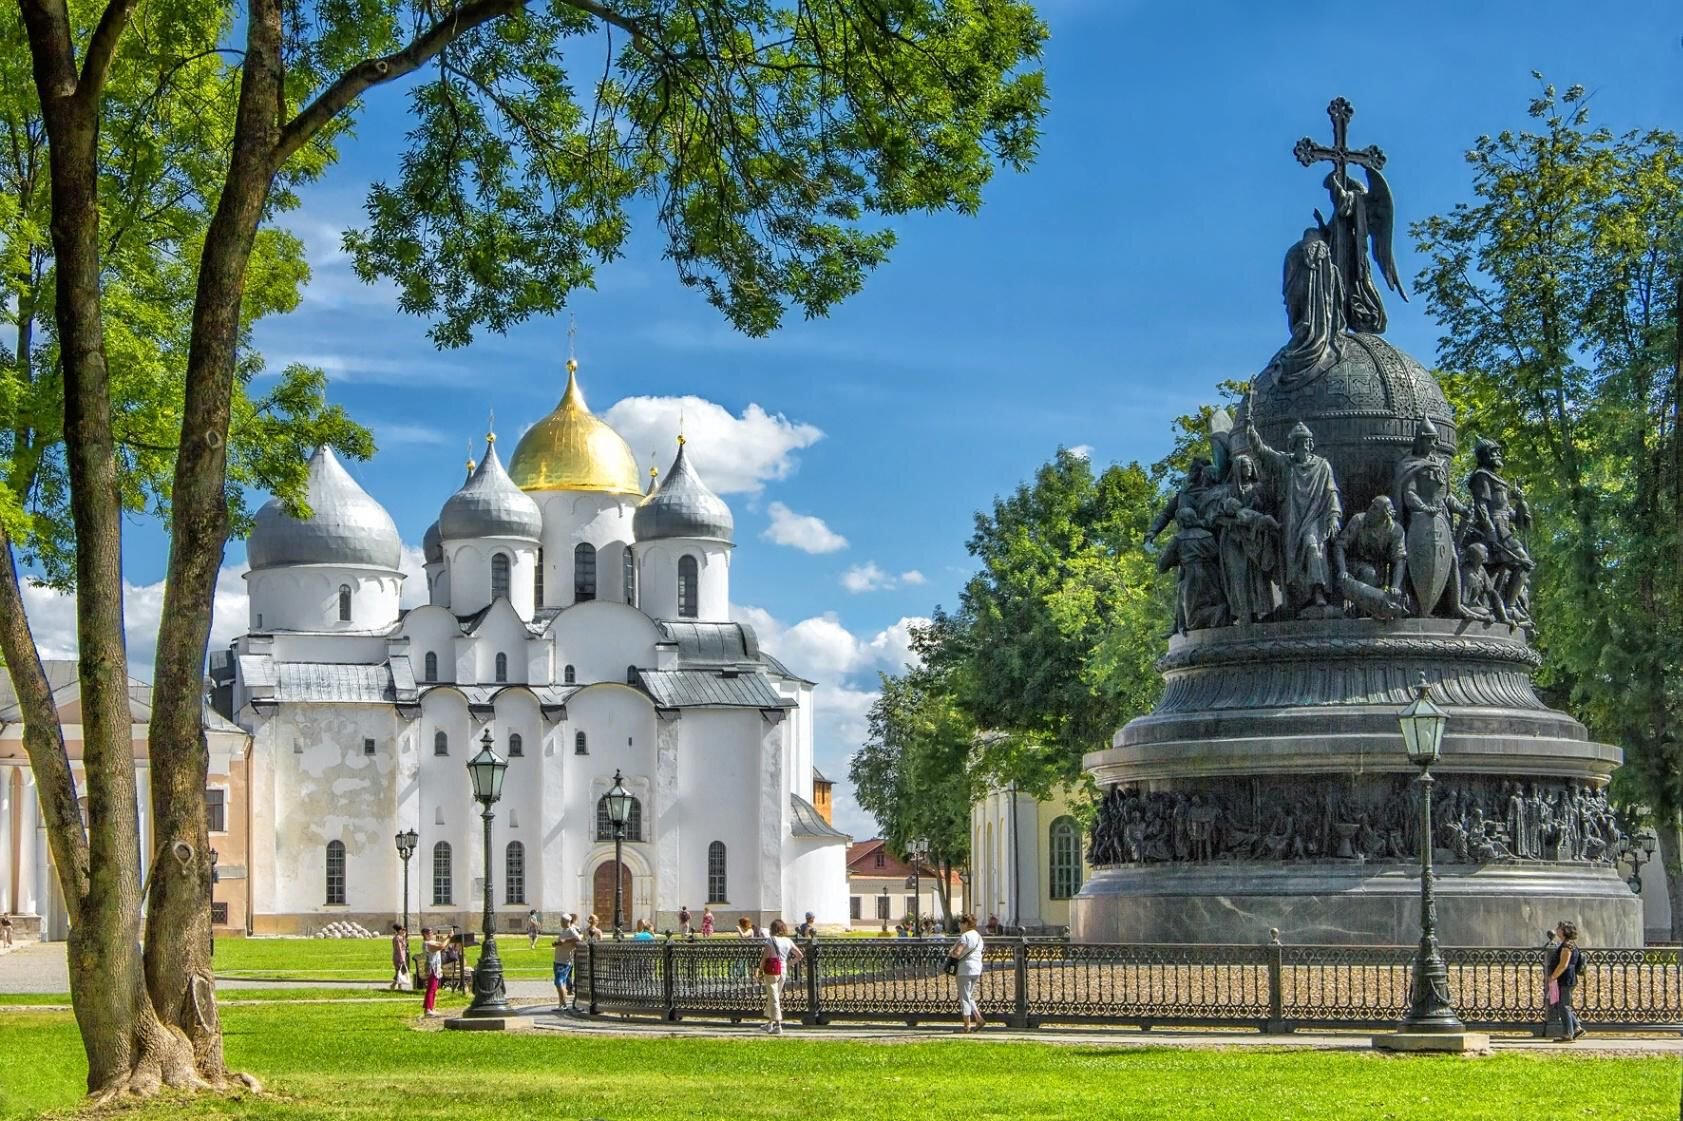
(602, 895)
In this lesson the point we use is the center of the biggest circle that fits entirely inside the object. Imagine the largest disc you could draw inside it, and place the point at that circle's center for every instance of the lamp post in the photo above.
(486, 770)
(917, 850)
(619, 810)
(1430, 1007)
(406, 842)
(882, 909)
(1639, 850)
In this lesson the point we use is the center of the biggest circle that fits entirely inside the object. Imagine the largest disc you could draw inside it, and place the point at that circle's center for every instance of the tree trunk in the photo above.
(1671, 859)
(179, 973)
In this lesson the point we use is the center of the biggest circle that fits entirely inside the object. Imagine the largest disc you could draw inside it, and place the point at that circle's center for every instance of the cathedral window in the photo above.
(584, 573)
(516, 745)
(344, 603)
(537, 584)
(499, 577)
(581, 746)
(716, 872)
(432, 666)
(514, 873)
(631, 675)
(441, 874)
(336, 873)
(605, 824)
(569, 676)
(502, 668)
(630, 577)
(1065, 858)
(441, 742)
(689, 576)
(216, 810)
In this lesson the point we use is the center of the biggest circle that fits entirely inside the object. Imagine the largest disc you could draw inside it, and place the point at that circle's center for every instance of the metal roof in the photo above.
(806, 821)
(490, 505)
(682, 506)
(711, 644)
(695, 688)
(329, 681)
(345, 526)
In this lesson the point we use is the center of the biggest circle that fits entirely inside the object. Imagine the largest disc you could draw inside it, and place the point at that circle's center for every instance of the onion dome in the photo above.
(682, 506)
(490, 505)
(570, 449)
(345, 526)
(432, 545)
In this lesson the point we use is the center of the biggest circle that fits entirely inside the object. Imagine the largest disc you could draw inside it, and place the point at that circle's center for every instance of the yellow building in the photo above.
(1028, 859)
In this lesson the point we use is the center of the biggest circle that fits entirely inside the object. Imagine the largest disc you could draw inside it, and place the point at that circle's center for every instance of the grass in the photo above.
(223, 996)
(357, 1061)
(355, 959)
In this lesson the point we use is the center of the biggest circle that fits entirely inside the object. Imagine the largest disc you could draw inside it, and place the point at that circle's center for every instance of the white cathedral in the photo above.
(584, 625)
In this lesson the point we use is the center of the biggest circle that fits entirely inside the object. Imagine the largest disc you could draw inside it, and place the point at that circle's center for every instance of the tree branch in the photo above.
(101, 49)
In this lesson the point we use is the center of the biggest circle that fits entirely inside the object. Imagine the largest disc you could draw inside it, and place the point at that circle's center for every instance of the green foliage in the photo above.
(1559, 290)
(913, 774)
(168, 122)
(762, 133)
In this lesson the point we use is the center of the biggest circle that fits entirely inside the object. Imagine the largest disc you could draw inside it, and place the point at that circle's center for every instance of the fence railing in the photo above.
(1027, 982)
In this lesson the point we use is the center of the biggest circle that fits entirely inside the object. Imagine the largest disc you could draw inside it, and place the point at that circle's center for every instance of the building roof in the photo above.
(806, 821)
(711, 644)
(710, 688)
(62, 679)
(818, 776)
(571, 449)
(489, 505)
(331, 681)
(861, 861)
(682, 506)
(345, 527)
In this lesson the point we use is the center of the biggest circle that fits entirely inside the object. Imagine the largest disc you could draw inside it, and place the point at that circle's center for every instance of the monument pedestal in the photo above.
(1438, 1043)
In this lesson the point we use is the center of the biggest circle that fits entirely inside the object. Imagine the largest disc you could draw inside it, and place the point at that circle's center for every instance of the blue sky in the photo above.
(1092, 300)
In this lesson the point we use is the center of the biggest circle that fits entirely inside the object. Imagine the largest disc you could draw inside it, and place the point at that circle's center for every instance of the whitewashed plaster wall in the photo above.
(470, 573)
(432, 630)
(815, 879)
(657, 573)
(305, 597)
(600, 640)
(600, 520)
(620, 734)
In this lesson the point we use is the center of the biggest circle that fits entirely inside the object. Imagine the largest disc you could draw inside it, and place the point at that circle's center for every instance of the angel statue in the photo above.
(1362, 220)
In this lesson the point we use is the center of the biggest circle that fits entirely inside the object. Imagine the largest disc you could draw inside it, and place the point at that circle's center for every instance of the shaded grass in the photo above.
(224, 996)
(355, 959)
(363, 1061)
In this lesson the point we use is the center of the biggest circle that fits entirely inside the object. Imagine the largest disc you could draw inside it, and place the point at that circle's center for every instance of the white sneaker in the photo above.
(777, 1029)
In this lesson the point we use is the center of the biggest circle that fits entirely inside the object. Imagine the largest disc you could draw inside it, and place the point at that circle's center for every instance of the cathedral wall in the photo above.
(470, 573)
(600, 640)
(657, 571)
(601, 520)
(306, 597)
(619, 725)
(331, 648)
(432, 632)
(500, 632)
(815, 879)
(719, 786)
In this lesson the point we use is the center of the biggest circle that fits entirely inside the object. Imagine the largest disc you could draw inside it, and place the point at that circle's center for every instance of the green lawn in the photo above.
(357, 1061)
(355, 959)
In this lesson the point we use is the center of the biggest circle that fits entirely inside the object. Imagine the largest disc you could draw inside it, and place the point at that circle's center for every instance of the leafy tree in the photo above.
(765, 133)
(1055, 638)
(913, 773)
(1559, 289)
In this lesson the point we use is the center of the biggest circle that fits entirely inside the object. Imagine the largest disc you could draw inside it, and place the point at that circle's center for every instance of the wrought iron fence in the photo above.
(1028, 982)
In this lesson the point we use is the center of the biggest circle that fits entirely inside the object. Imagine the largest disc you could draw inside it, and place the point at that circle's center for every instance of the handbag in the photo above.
(950, 967)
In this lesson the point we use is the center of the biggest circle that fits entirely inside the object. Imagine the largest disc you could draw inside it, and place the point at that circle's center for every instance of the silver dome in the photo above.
(490, 505)
(432, 545)
(682, 506)
(345, 525)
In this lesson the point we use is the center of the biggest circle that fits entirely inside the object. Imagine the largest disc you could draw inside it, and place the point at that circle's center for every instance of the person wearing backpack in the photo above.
(778, 953)
(1564, 961)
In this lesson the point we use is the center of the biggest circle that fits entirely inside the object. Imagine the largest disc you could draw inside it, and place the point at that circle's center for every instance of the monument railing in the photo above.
(1030, 982)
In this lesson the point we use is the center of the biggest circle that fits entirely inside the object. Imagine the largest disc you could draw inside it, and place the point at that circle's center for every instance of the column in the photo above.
(6, 810)
(29, 817)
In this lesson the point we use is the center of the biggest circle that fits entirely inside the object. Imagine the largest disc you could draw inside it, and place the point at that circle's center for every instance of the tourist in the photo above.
(808, 930)
(593, 930)
(966, 955)
(777, 955)
(900, 929)
(706, 922)
(432, 945)
(1564, 962)
(533, 929)
(400, 957)
(684, 920)
(993, 924)
(566, 943)
(6, 930)
(644, 932)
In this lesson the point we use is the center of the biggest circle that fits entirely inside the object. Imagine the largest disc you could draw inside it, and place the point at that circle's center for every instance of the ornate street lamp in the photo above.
(918, 851)
(1430, 1007)
(486, 770)
(882, 909)
(406, 842)
(619, 812)
(1639, 850)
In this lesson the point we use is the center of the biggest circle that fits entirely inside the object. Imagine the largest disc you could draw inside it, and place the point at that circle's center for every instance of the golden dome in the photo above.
(572, 450)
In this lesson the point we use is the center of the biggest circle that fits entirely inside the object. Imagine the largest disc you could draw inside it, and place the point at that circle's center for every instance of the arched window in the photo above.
(516, 745)
(336, 873)
(432, 666)
(441, 874)
(1065, 858)
(502, 668)
(630, 577)
(499, 576)
(440, 742)
(537, 584)
(631, 675)
(584, 572)
(688, 577)
(568, 676)
(514, 873)
(605, 824)
(716, 872)
(580, 745)
(344, 603)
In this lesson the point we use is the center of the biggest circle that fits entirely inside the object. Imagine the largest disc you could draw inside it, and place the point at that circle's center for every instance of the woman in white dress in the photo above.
(967, 954)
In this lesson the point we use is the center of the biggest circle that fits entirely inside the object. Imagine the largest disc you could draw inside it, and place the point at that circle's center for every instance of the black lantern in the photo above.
(619, 802)
(407, 839)
(619, 812)
(486, 770)
(1422, 726)
(1430, 1006)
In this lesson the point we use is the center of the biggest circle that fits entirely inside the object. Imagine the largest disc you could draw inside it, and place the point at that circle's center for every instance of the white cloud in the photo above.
(869, 577)
(805, 532)
(733, 454)
(395, 435)
(1082, 451)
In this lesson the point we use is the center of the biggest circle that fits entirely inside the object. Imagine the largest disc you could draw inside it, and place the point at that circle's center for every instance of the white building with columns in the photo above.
(580, 623)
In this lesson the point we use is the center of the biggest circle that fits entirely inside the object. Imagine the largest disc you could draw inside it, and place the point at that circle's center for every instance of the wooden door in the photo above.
(602, 895)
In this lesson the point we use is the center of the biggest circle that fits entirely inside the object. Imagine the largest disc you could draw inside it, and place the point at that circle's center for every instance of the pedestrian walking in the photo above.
(533, 928)
(593, 930)
(432, 945)
(6, 930)
(777, 955)
(400, 957)
(566, 944)
(706, 921)
(964, 961)
(1564, 962)
(684, 920)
